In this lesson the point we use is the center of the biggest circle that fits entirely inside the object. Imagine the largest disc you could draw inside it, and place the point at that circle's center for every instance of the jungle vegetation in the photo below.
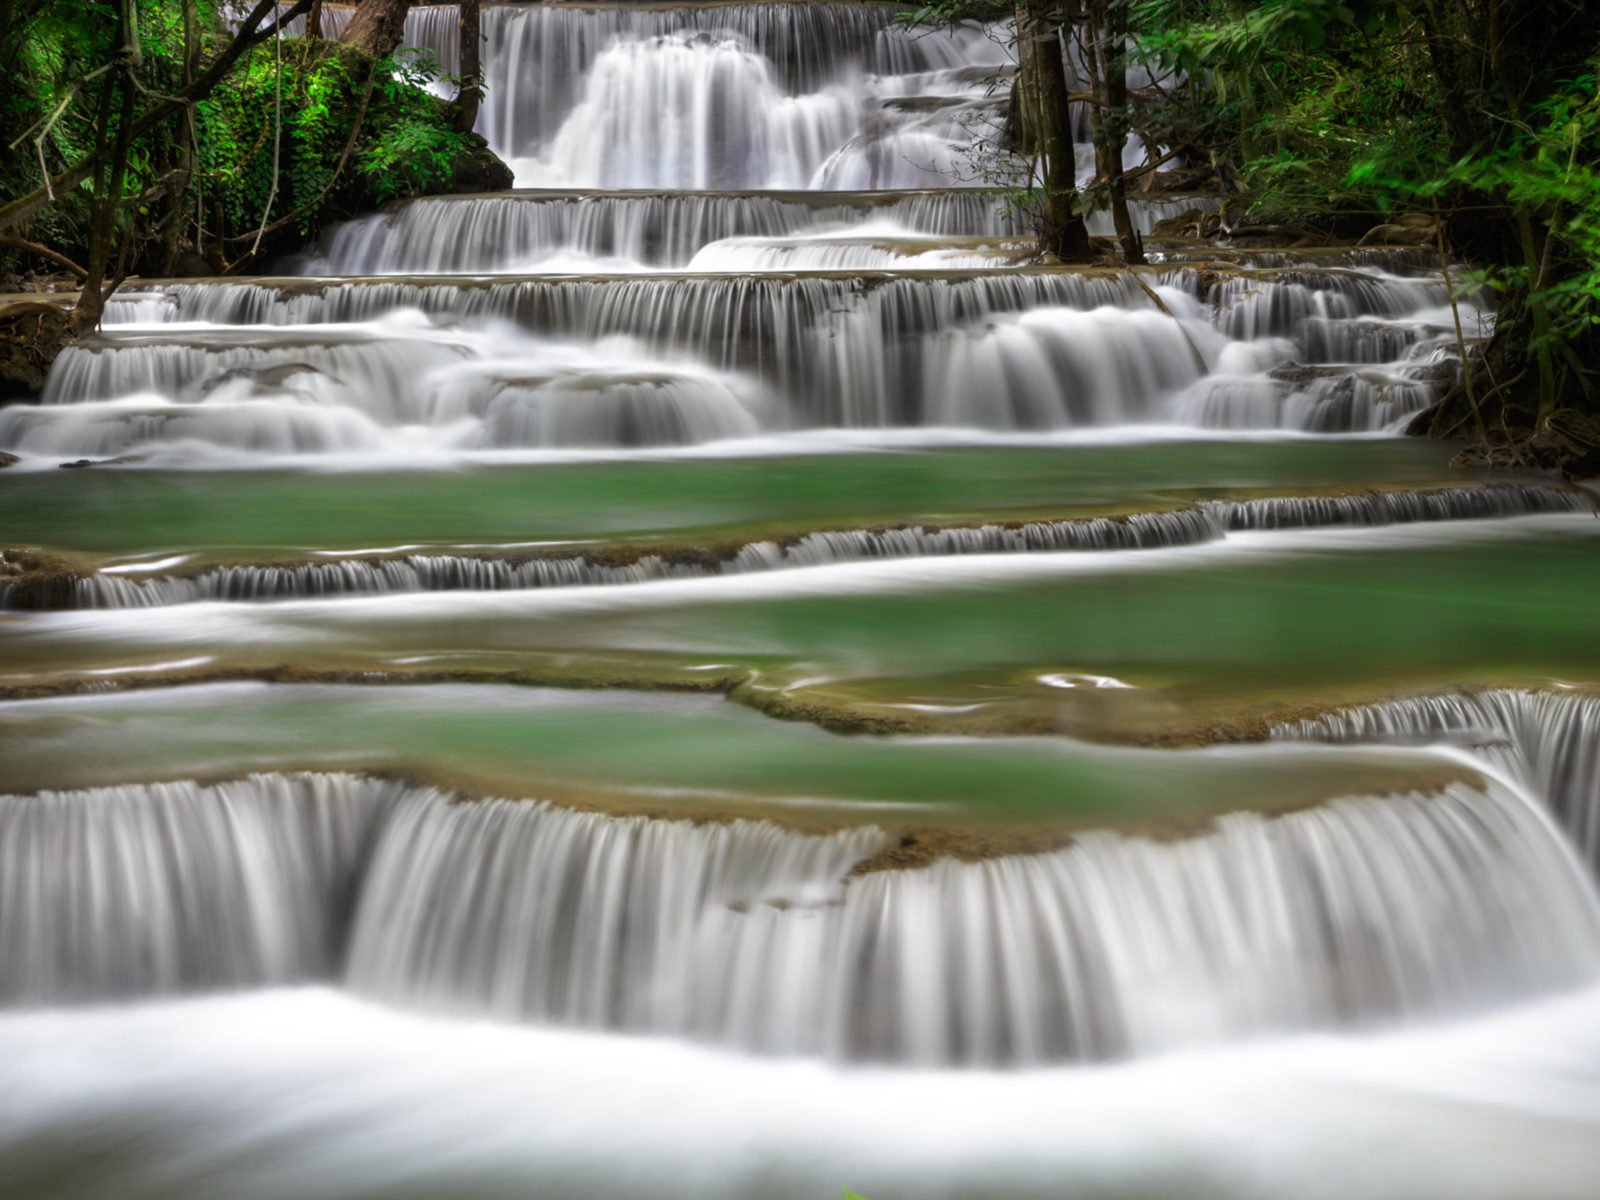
(197, 137)
(1469, 129)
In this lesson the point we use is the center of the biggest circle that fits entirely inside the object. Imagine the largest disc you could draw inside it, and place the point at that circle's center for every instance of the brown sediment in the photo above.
(556, 675)
(1173, 718)
(917, 847)
(39, 579)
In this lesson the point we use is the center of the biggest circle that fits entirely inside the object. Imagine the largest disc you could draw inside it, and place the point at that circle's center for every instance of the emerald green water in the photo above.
(1302, 612)
(684, 754)
(133, 512)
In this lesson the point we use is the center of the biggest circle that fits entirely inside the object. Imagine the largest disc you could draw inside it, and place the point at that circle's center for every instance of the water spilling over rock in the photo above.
(590, 232)
(1549, 741)
(749, 95)
(1365, 910)
(354, 575)
(811, 249)
(457, 367)
(129, 891)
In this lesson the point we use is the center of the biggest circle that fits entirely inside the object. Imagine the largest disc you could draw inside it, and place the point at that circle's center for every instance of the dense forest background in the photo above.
(192, 137)
(166, 137)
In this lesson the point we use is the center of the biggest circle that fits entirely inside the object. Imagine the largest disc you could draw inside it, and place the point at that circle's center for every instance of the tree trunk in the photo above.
(117, 92)
(1047, 123)
(377, 27)
(470, 71)
(1108, 50)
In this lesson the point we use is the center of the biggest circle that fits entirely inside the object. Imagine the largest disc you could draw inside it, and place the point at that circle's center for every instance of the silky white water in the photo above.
(328, 1097)
(740, 96)
(1365, 910)
(384, 368)
(606, 232)
(1548, 740)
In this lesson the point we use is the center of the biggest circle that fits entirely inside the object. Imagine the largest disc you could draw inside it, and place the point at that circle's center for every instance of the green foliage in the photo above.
(1482, 114)
(948, 12)
(412, 157)
(1547, 169)
(416, 148)
(341, 115)
(1294, 91)
(348, 134)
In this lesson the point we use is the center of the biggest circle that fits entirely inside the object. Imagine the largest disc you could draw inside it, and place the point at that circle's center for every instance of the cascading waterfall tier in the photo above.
(1363, 910)
(452, 572)
(743, 95)
(830, 351)
(1549, 741)
(1364, 349)
(394, 384)
(461, 366)
(585, 232)
(126, 891)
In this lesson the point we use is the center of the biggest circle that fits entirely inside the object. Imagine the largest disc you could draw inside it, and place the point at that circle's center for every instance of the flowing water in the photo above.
(720, 672)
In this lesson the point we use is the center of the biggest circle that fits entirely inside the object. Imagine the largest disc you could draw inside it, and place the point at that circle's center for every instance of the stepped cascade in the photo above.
(731, 616)
(605, 363)
(747, 934)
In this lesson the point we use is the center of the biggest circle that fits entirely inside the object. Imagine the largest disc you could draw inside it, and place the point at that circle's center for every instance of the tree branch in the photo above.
(21, 243)
(250, 34)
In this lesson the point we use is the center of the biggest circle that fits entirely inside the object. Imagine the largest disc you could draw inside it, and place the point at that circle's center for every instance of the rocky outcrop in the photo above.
(32, 333)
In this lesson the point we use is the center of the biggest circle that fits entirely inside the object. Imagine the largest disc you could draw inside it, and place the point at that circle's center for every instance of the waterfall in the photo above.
(591, 232)
(1397, 507)
(395, 383)
(42, 588)
(525, 231)
(1360, 911)
(837, 350)
(833, 351)
(704, 95)
(124, 891)
(692, 112)
(1550, 741)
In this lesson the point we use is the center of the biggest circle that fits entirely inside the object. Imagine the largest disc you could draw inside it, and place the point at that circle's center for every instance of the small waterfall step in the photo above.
(1198, 629)
(824, 95)
(1548, 741)
(580, 232)
(387, 366)
(39, 582)
(1363, 911)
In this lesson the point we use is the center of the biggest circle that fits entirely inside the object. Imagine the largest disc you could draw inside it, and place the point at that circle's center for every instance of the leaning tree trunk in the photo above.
(470, 70)
(377, 27)
(1047, 126)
